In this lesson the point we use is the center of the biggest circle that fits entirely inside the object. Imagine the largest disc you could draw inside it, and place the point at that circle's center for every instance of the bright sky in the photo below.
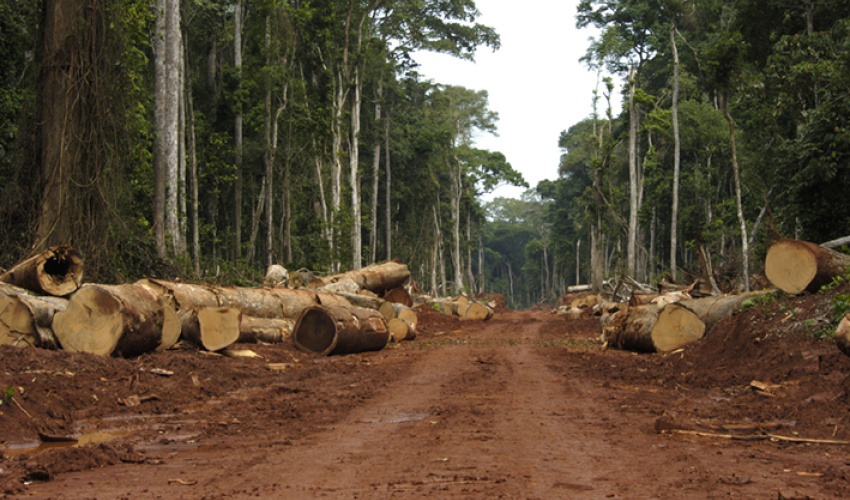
(535, 82)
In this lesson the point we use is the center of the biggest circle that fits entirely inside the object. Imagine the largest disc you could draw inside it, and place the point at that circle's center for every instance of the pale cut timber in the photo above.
(462, 308)
(377, 277)
(401, 329)
(842, 335)
(212, 328)
(650, 328)
(123, 320)
(56, 271)
(478, 312)
(795, 266)
(269, 330)
(327, 330)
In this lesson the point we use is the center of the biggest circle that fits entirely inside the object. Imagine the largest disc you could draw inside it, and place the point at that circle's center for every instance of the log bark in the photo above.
(256, 302)
(795, 266)
(211, 328)
(326, 330)
(269, 330)
(376, 278)
(650, 328)
(711, 310)
(27, 320)
(56, 271)
(121, 320)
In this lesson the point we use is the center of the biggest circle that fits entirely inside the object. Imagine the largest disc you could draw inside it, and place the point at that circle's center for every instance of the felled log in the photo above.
(842, 335)
(795, 266)
(401, 329)
(377, 277)
(327, 330)
(269, 330)
(212, 328)
(477, 311)
(711, 310)
(652, 328)
(276, 275)
(398, 295)
(256, 302)
(391, 310)
(56, 271)
(120, 320)
(27, 320)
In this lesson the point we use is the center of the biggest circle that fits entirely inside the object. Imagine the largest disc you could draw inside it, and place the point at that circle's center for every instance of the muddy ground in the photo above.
(526, 405)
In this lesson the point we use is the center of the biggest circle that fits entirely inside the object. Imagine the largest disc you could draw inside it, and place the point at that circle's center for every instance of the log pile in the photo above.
(464, 308)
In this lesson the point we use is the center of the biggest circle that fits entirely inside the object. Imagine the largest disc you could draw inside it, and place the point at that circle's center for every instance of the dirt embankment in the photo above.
(526, 405)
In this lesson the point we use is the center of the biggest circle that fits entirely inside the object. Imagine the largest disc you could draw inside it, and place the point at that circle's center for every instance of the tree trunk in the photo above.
(477, 311)
(653, 328)
(326, 330)
(745, 248)
(711, 310)
(795, 266)
(401, 329)
(376, 169)
(456, 192)
(390, 310)
(123, 320)
(674, 224)
(631, 249)
(237, 133)
(193, 172)
(842, 335)
(387, 181)
(211, 328)
(56, 271)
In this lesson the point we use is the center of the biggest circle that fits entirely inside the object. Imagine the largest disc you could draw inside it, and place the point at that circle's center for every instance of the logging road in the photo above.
(509, 408)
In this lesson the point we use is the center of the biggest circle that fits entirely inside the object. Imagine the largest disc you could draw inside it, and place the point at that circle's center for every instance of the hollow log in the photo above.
(401, 329)
(377, 277)
(57, 271)
(331, 330)
(652, 328)
(120, 320)
(398, 295)
(269, 330)
(212, 328)
(795, 266)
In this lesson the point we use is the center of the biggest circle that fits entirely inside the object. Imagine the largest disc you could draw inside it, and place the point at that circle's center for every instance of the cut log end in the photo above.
(92, 323)
(795, 266)
(676, 327)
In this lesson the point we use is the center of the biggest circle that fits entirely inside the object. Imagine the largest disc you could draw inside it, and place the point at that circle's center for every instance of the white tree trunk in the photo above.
(457, 186)
(745, 247)
(237, 185)
(376, 166)
(674, 224)
(631, 249)
(354, 173)
(160, 93)
(387, 192)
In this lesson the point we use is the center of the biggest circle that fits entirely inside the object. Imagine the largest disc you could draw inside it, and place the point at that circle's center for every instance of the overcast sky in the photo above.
(535, 81)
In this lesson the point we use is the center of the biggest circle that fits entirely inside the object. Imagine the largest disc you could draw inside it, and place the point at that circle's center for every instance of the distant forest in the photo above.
(208, 139)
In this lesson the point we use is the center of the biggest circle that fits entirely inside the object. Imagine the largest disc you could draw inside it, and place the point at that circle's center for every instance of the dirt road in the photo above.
(523, 406)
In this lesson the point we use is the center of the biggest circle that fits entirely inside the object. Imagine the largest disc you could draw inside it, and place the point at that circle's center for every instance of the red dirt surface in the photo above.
(526, 405)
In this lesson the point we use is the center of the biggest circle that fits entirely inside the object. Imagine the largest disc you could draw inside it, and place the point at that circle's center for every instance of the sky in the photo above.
(535, 82)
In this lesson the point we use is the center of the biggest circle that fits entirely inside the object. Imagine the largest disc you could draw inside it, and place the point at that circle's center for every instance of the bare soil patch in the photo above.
(526, 405)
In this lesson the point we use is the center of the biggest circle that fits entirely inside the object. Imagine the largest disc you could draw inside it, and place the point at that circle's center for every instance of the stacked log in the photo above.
(122, 320)
(464, 308)
(267, 330)
(27, 320)
(795, 266)
(654, 328)
(401, 320)
(212, 328)
(376, 278)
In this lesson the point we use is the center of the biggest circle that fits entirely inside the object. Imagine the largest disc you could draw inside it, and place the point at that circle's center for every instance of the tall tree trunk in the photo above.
(469, 276)
(354, 172)
(457, 190)
(674, 224)
(237, 133)
(61, 119)
(634, 178)
(159, 153)
(745, 247)
(376, 166)
(336, 163)
(193, 171)
(182, 215)
(388, 184)
(435, 251)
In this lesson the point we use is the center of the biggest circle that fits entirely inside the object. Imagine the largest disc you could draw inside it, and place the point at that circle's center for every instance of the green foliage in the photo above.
(6, 395)
(759, 300)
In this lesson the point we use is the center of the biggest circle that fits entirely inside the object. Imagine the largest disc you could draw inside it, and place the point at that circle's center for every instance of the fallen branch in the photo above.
(757, 437)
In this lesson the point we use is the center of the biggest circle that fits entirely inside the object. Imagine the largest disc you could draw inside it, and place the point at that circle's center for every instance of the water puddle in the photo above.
(12, 450)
